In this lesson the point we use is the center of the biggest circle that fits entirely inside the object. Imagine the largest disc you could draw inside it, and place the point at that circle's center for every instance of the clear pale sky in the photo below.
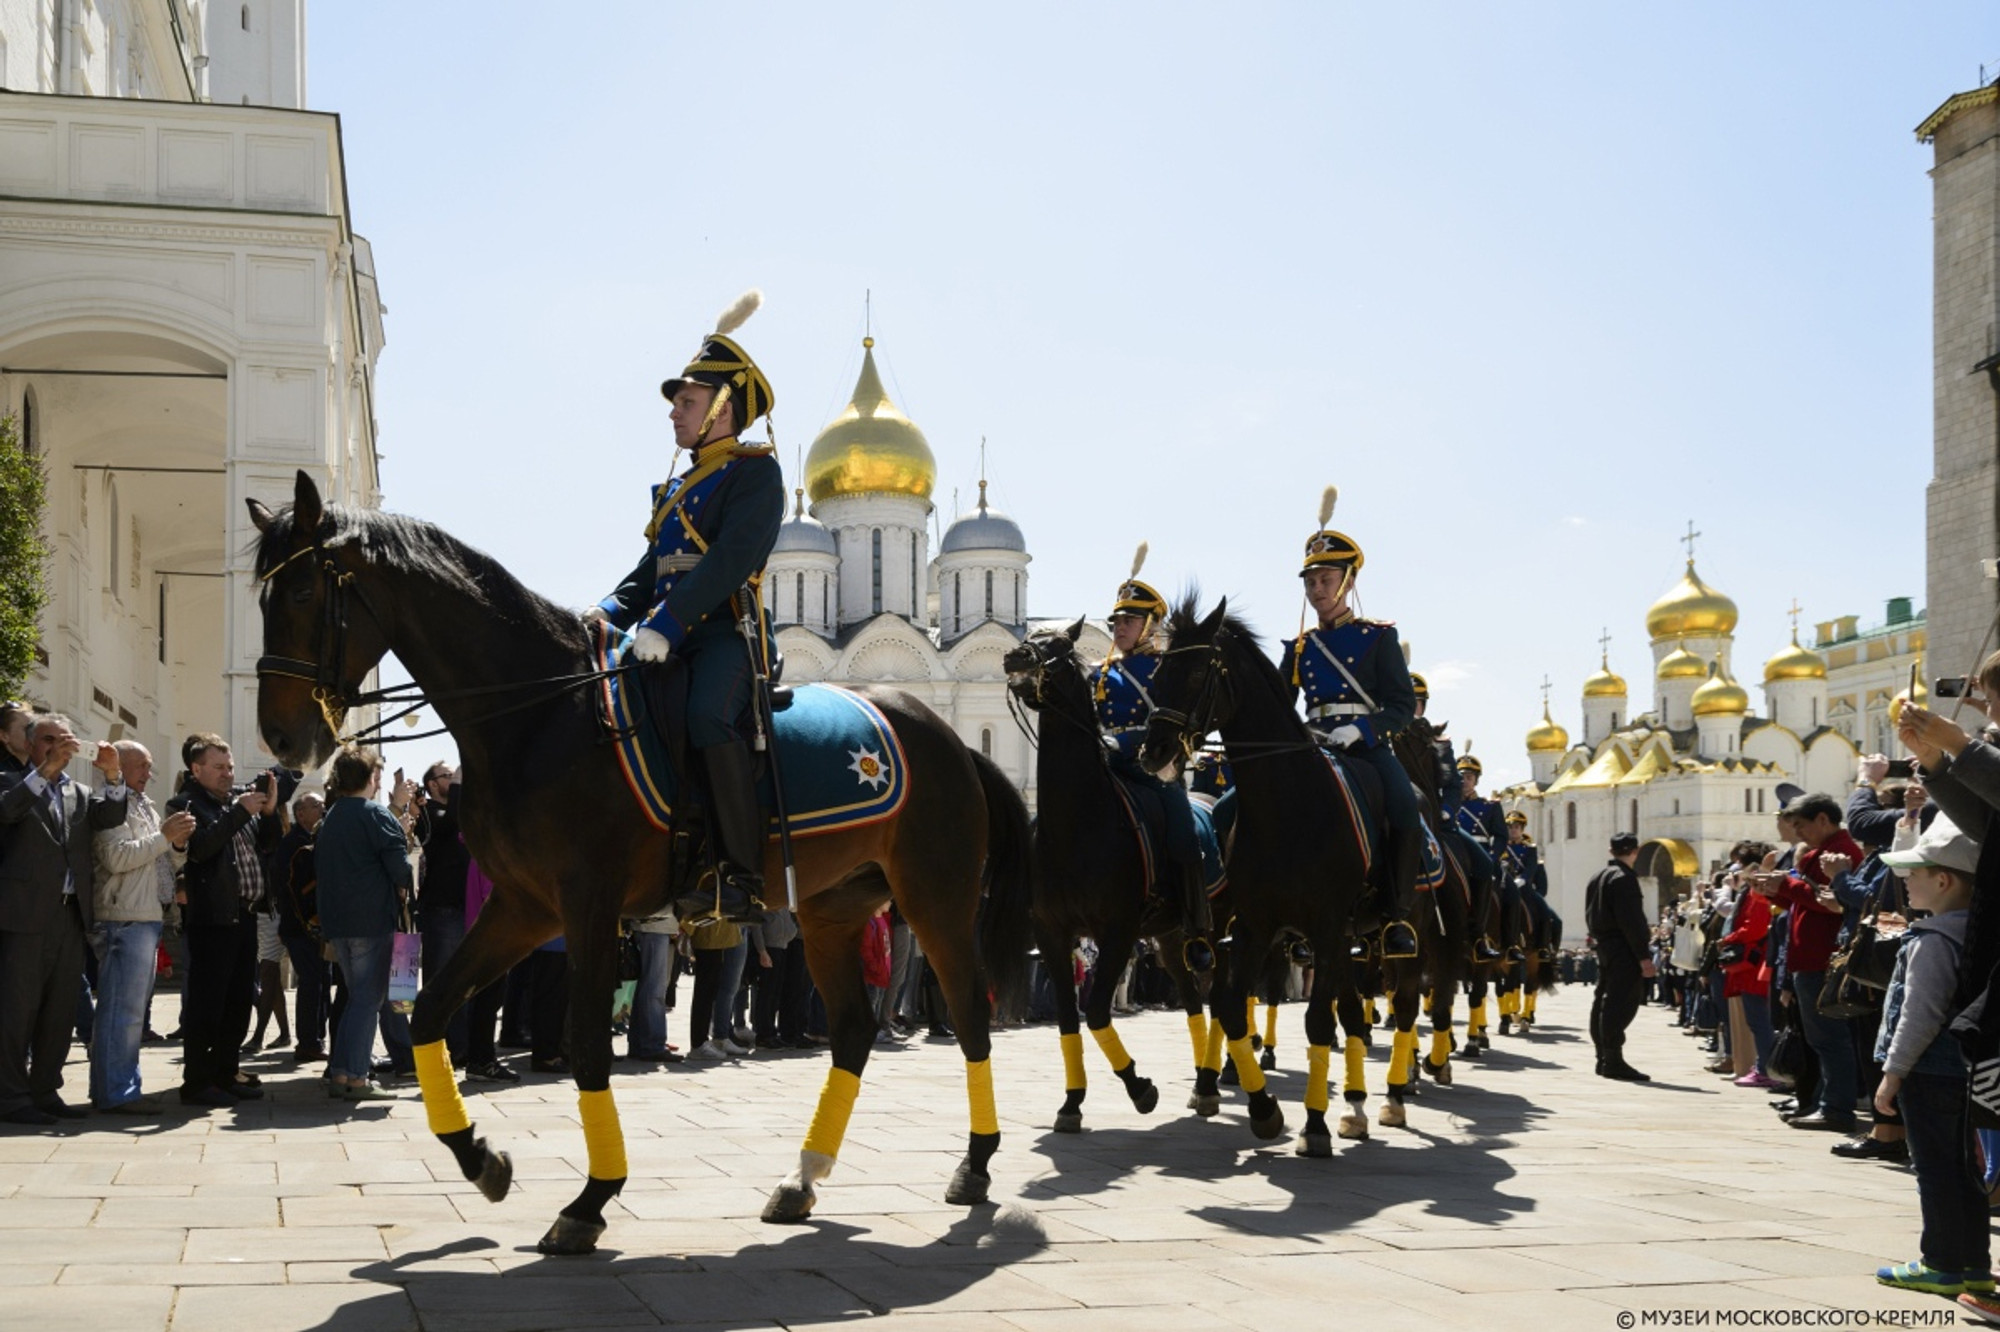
(1535, 284)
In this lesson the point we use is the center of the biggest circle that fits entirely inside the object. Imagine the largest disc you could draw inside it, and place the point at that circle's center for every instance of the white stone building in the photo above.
(1689, 768)
(858, 599)
(186, 319)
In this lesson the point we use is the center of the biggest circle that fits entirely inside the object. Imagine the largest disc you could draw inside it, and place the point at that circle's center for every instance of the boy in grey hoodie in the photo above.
(1923, 1072)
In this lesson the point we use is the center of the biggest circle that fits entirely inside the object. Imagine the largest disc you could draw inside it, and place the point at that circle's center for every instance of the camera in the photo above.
(1903, 768)
(1949, 686)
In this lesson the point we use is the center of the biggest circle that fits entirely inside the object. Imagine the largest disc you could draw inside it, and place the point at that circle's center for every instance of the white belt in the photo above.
(667, 564)
(1326, 710)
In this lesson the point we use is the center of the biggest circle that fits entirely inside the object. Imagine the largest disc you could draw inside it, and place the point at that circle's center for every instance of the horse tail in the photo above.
(1005, 936)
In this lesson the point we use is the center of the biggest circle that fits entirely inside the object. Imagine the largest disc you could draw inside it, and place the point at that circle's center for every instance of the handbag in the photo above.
(1730, 954)
(1787, 1059)
(631, 964)
(405, 952)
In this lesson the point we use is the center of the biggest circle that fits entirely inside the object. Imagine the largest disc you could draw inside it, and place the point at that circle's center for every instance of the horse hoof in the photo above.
(788, 1205)
(1228, 1077)
(1354, 1127)
(1268, 1060)
(1314, 1144)
(1392, 1115)
(1206, 1106)
(1441, 1074)
(496, 1176)
(1269, 1125)
(1145, 1096)
(1069, 1121)
(1473, 1049)
(569, 1237)
(968, 1187)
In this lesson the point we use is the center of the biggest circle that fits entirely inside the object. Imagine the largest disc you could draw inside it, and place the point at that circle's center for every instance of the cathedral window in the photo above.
(1746, 801)
(989, 594)
(246, 18)
(1760, 800)
(799, 597)
(824, 580)
(1635, 818)
(875, 604)
(957, 601)
(986, 741)
(31, 441)
(1569, 821)
(915, 601)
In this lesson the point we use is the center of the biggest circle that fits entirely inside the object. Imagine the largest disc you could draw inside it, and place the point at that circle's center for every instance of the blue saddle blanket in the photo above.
(842, 763)
(1430, 870)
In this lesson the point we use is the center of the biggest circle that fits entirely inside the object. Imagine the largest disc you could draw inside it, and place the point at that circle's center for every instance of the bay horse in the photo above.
(1092, 879)
(548, 815)
(1296, 860)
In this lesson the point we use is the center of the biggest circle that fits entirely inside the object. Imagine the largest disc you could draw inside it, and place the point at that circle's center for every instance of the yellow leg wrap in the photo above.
(1247, 1072)
(979, 1091)
(1211, 1055)
(444, 1107)
(601, 1135)
(836, 1103)
(1114, 1049)
(1475, 1021)
(1318, 1057)
(1510, 1003)
(1440, 1047)
(1400, 1052)
(1270, 1026)
(1198, 1037)
(1072, 1048)
(1357, 1066)
(1528, 1004)
(1374, 1014)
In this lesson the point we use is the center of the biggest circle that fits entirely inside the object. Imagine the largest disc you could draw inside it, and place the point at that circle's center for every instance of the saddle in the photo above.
(1146, 816)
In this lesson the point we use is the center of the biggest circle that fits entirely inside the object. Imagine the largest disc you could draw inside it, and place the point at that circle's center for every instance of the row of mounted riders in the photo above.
(1302, 886)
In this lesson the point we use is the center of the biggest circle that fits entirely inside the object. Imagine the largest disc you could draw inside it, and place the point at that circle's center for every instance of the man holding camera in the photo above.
(224, 880)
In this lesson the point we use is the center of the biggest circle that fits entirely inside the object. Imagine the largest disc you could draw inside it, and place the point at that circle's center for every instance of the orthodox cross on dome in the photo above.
(868, 312)
(1546, 686)
(1688, 541)
(1604, 647)
(1795, 610)
(982, 474)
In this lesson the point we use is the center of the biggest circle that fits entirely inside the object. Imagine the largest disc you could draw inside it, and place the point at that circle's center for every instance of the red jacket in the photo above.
(1814, 927)
(1753, 925)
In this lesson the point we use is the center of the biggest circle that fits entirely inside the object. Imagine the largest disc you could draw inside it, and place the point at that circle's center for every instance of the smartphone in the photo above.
(115, 734)
(1902, 768)
(1949, 686)
(399, 780)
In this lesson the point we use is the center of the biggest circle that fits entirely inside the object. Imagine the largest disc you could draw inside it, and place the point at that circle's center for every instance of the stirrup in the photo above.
(1197, 954)
(1484, 949)
(1398, 949)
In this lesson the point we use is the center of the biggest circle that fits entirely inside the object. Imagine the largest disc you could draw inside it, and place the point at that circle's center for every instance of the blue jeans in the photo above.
(649, 999)
(364, 966)
(1949, 1198)
(1757, 1013)
(126, 952)
(723, 1025)
(1839, 1079)
(444, 931)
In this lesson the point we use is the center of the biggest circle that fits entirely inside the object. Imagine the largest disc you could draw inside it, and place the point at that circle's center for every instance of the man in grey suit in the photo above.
(47, 823)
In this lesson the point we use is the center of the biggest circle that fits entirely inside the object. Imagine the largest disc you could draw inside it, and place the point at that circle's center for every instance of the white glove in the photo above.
(649, 645)
(1344, 736)
(592, 614)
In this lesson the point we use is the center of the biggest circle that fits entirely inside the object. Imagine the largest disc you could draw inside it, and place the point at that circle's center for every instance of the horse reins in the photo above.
(336, 697)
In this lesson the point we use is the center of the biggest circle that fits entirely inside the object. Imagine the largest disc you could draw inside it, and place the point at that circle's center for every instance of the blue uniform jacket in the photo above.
(1371, 652)
(1123, 689)
(718, 537)
(1481, 820)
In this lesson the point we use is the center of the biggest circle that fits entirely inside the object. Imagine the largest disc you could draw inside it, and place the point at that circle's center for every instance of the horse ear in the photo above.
(306, 507)
(1076, 629)
(1215, 616)
(260, 515)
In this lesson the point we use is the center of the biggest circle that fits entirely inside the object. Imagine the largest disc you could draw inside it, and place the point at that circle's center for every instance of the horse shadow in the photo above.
(824, 1271)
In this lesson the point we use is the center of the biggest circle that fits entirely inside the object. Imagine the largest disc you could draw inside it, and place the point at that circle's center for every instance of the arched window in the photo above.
(986, 741)
(875, 544)
(989, 594)
(957, 601)
(799, 597)
(246, 18)
(916, 603)
(1020, 611)
(1747, 798)
(1569, 821)
(1635, 818)
(31, 440)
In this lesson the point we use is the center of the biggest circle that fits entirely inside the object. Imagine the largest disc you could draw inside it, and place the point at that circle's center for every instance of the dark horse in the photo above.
(1091, 878)
(1294, 862)
(549, 817)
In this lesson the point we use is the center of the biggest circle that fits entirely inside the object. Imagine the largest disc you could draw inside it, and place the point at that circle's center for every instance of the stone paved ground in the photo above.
(1529, 1195)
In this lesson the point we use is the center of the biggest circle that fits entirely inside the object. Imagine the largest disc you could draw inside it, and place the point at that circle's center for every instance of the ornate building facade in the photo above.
(1687, 766)
(858, 598)
(187, 318)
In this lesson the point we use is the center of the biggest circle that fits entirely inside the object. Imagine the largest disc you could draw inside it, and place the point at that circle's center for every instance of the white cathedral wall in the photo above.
(854, 521)
(1830, 766)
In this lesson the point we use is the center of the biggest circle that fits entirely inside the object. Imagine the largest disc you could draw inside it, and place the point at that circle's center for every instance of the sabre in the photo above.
(749, 624)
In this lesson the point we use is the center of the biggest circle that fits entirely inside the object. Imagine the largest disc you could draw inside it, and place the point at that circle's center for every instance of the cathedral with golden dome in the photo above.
(1687, 765)
(858, 597)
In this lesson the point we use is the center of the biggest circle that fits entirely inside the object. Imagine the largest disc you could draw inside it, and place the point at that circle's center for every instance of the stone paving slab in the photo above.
(1529, 1194)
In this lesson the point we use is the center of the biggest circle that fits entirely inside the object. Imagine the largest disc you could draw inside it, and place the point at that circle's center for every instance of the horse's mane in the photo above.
(410, 545)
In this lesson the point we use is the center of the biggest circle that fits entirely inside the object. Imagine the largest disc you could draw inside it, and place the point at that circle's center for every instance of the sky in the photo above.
(1537, 285)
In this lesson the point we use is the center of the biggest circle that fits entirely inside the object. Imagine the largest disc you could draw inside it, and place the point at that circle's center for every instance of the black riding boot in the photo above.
(1484, 890)
(736, 835)
(1399, 936)
(1196, 921)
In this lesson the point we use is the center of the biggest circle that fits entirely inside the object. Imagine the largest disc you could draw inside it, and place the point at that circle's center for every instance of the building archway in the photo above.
(1667, 868)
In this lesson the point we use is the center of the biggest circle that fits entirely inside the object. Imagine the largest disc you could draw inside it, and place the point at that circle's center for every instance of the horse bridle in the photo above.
(1018, 707)
(1198, 720)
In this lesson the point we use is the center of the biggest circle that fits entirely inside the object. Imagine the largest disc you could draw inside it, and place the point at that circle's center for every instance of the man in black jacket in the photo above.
(298, 928)
(1615, 914)
(441, 890)
(222, 884)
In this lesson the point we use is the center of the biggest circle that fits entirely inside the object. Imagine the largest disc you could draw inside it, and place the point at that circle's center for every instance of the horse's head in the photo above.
(316, 649)
(1191, 696)
(1039, 666)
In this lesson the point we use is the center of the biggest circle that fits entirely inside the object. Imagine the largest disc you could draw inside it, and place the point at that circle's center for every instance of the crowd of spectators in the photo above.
(1844, 971)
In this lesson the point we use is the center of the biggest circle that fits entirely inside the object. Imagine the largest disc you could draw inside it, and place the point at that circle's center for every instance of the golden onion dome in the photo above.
(1548, 738)
(1916, 694)
(871, 448)
(1680, 664)
(1795, 663)
(1721, 696)
(1607, 683)
(1691, 609)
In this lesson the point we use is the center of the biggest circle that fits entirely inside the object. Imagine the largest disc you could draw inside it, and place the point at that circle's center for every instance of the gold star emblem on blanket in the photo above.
(868, 768)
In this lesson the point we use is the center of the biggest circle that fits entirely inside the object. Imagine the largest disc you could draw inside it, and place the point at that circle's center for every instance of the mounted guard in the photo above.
(1358, 693)
(1121, 685)
(1479, 833)
(694, 596)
